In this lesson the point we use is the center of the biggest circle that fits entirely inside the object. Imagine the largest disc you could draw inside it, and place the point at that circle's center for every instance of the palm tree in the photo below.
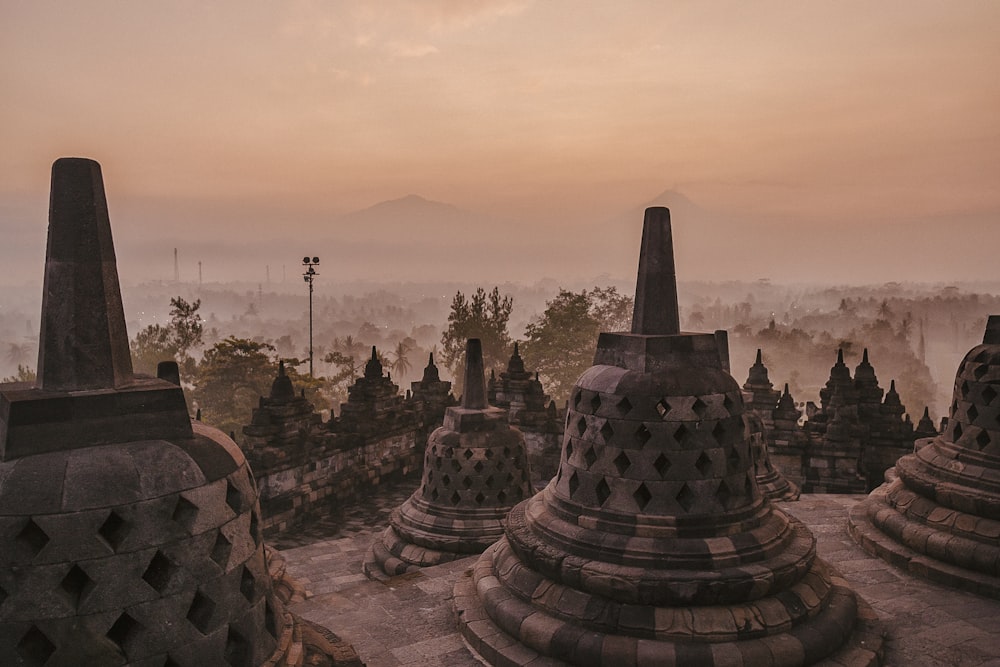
(401, 365)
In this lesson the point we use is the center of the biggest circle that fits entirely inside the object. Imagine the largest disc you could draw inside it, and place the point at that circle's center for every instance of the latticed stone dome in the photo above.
(939, 513)
(475, 470)
(129, 534)
(653, 543)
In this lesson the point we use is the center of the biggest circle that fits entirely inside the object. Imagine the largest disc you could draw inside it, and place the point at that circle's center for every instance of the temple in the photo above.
(760, 398)
(132, 535)
(848, 442)
(938, 514)
(653, 543)
(475, 470)
(520, 392)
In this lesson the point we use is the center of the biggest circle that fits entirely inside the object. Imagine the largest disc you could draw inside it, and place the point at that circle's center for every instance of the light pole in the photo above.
(309, 276)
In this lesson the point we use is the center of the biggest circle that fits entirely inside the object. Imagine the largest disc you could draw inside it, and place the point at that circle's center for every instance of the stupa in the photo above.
(938, 516)
(475, 470)
(653, 544)
(760, 399)
(130, 534)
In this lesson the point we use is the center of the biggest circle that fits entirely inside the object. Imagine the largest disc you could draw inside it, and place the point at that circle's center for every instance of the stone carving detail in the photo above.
(938, 514)
(653, 543)
(475, 470)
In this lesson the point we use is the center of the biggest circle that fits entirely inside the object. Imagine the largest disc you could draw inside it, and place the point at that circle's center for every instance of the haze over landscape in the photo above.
(810, 142)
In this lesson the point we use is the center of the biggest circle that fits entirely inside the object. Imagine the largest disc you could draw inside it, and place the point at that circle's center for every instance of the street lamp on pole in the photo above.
(309, 276)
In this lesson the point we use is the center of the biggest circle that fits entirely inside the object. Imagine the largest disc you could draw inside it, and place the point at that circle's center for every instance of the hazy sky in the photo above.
(265, 116)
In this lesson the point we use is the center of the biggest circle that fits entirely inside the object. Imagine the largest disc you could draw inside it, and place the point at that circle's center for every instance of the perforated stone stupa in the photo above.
(129, 534)
(475, 470)
(653, 544)
(938, 516)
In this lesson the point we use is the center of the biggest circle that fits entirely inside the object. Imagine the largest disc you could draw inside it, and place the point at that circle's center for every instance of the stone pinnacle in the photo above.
(83, 342)
(992, 334)
(474, 396)
(656, 312)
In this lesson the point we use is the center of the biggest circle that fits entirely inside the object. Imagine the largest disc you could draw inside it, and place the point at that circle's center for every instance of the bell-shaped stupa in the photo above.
(130, 534)
(938, 516)
(475, 470)
(653, 543)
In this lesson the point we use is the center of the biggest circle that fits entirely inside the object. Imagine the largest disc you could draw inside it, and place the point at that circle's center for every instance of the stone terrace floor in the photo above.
(409, 620)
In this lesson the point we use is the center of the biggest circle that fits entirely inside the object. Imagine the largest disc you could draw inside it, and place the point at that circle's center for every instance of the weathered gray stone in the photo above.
(654, 528)
(129, 537)
(475, 470)
(939, 510)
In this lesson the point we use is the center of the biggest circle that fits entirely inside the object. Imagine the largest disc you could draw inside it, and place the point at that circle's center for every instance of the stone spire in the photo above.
(474, 396)
(516, 363)
(114, 498)
(282, 389)
(373, 369)
(840, 377)
(656, 311)
(653, 538)
(431, 370)
(760, 395)
(83, 342)
(925, 427)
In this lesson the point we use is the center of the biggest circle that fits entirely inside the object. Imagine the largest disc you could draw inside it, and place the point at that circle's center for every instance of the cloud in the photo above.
(462, 14)
(408, 50)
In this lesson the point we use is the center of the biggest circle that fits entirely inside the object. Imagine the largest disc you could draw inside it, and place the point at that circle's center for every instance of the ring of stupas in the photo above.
(653, 543)
(130, 535)
(475, 471)
(938, 514)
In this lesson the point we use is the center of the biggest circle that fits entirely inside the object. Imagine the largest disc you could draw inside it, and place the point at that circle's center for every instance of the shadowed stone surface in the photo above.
(407, 622)
(938, 514)
(475, 470)
(127, 536)
(653, 543)
(761, 399)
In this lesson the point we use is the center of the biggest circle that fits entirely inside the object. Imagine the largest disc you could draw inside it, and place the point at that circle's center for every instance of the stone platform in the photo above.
(409, 621)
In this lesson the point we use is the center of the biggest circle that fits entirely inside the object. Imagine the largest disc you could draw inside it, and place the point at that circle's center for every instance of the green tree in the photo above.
(561, 343)
(400, 363)
(229, 380)
(485, 317)
(347, 369)
(175, 341)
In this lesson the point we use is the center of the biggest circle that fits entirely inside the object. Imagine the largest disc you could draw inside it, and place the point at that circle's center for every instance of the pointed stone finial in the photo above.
(83, 342)
(892, 386)
(927, 413)
(430, 359)
(760, 360)
(516, 354)
(656, 312)
(992, 334)
(169, 371)
(281, 387)
(474, 397)
(840, 356)
(373, 369)
(864, 357)
(786, 387)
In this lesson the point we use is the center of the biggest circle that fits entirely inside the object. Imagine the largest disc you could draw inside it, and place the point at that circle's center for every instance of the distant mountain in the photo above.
(409, 219)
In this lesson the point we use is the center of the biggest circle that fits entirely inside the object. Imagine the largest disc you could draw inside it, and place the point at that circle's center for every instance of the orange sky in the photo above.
(805, 113)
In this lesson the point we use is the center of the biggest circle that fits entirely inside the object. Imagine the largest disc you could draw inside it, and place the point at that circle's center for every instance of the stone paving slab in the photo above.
(408, 621)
